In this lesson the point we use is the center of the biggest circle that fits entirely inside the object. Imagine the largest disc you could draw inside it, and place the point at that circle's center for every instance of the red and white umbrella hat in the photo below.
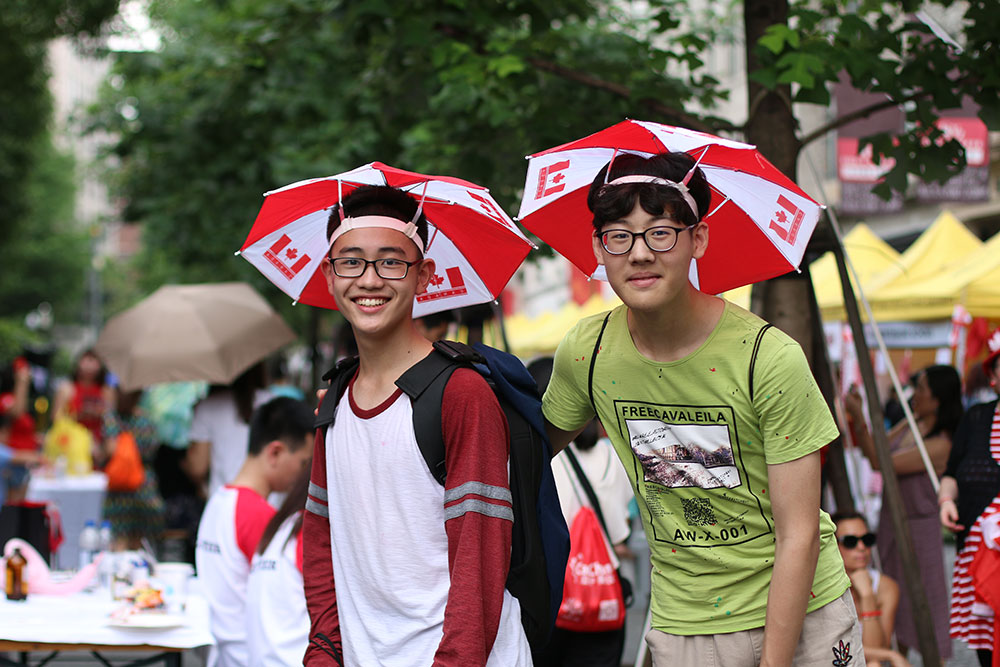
(475, 246)
(759, 220)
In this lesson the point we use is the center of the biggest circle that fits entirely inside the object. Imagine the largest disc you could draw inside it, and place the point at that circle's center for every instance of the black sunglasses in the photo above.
(851, 541)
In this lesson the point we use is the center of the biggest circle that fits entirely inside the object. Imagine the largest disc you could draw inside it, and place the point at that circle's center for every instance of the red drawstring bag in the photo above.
(592, 595)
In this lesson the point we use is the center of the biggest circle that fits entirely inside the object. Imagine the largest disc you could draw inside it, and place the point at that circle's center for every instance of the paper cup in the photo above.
(174, 577)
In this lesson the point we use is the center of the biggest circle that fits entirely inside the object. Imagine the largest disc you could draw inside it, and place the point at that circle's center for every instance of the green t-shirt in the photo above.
(696, 450)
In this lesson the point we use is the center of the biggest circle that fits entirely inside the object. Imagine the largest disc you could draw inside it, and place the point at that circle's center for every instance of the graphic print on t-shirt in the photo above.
(695, 484)
(682, 446)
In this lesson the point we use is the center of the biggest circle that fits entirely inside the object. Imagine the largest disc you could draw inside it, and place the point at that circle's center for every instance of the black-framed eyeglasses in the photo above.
(387, 268)
(851, 541)
(658, 239)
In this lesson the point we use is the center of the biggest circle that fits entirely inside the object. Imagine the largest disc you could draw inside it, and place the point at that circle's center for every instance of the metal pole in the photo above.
(890, 484)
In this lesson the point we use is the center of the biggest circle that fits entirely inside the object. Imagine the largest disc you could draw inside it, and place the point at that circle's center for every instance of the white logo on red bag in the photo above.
(786, 222)
(456, 286)
(274, 256)
(550, 181)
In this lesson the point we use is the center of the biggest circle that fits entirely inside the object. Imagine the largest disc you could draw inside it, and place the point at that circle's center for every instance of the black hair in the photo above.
(439, 318)
(378, 200)
(847, 515)
(244, 389)
(294, 502)
(282, 418)
(613, 202)
(946, 387)
(541, 371)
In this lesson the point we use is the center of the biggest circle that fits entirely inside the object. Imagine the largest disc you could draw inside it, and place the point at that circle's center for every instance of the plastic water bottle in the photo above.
(106, 567)
(90, 542)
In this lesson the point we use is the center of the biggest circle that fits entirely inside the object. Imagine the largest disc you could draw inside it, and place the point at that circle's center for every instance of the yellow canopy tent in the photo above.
(541, 335)
(944, 243)
(972, 281)
(870, 256)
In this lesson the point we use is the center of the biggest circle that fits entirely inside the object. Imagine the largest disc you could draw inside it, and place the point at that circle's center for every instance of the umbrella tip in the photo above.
(237, 253)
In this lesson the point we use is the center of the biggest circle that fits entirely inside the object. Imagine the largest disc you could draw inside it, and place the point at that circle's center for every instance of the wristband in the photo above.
(871, 614)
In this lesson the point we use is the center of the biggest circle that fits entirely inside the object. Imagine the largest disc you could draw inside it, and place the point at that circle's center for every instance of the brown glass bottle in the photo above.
(17, 582)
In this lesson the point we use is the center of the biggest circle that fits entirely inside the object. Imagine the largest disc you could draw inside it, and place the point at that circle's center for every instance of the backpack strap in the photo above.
(753, 356)
(424, 383)
(593, 361)
(338, 378)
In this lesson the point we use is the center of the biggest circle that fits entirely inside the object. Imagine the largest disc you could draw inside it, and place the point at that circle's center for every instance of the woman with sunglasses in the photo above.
(937, 408)
(876, 595)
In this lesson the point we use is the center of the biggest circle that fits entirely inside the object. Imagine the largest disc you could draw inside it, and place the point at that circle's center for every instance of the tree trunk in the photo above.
(788, 302)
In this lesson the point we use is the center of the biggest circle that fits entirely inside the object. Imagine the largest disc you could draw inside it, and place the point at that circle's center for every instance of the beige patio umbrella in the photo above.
(210, 332)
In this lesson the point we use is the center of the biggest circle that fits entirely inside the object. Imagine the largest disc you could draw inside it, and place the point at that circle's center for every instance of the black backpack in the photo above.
(540, 539)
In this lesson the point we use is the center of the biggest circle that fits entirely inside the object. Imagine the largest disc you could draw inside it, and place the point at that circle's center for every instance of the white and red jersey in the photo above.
(277, 620)
(400, 570)
(230, 528)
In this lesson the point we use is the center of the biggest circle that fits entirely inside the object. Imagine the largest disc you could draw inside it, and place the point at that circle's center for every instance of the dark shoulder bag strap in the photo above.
(593, 361)
(626, 585)
(753, 356)
(595, 504)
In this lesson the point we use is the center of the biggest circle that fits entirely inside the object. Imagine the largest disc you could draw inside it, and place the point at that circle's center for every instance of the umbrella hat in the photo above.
(760, 221)
(210, 332)
(476, 247)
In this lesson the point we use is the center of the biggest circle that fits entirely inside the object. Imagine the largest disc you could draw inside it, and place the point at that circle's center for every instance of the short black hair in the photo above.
(614, 202)
(439, 318)
(282, 418)
(378, 200)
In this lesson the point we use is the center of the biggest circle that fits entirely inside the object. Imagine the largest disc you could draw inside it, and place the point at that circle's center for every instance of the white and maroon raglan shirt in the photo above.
(277, 620)
(230, 528)
(402, 571)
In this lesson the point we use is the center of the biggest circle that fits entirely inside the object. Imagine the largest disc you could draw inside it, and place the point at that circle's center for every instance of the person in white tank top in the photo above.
(876, 595)
(277, 619)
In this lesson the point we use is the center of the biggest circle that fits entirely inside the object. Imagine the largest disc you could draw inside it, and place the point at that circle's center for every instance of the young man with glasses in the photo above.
(399, 569)
(719, 423)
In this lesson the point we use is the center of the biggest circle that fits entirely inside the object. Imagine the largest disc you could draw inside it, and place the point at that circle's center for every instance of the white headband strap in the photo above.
(681, 188)
(384, 221)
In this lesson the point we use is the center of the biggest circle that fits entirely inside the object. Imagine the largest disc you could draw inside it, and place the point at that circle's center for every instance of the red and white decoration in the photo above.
(476, 247)
(760, 220)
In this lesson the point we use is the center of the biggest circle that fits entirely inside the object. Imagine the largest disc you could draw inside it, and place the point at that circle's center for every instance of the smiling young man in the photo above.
(398, 569)
(719, 423)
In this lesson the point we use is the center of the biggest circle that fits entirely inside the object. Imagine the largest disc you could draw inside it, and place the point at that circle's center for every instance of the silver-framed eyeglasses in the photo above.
(658, 239)
(387, 268)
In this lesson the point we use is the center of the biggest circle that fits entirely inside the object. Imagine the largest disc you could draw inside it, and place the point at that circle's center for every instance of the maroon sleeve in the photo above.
(478, 519)
(317, 569)
(252, 515)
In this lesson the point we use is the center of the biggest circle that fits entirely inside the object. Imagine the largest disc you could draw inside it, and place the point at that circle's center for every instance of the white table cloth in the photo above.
(83, 619)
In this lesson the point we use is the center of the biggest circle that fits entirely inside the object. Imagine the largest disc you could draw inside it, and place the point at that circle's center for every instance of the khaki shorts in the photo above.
(831, 637)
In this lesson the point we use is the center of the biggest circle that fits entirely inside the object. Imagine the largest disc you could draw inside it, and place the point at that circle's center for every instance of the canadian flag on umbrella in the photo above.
(759, 220)
(475, 246)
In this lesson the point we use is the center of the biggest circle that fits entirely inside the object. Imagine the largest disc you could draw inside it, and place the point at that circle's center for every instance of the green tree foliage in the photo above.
(249, 95)
(45, 255)
(25, 108)
(885, 48)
